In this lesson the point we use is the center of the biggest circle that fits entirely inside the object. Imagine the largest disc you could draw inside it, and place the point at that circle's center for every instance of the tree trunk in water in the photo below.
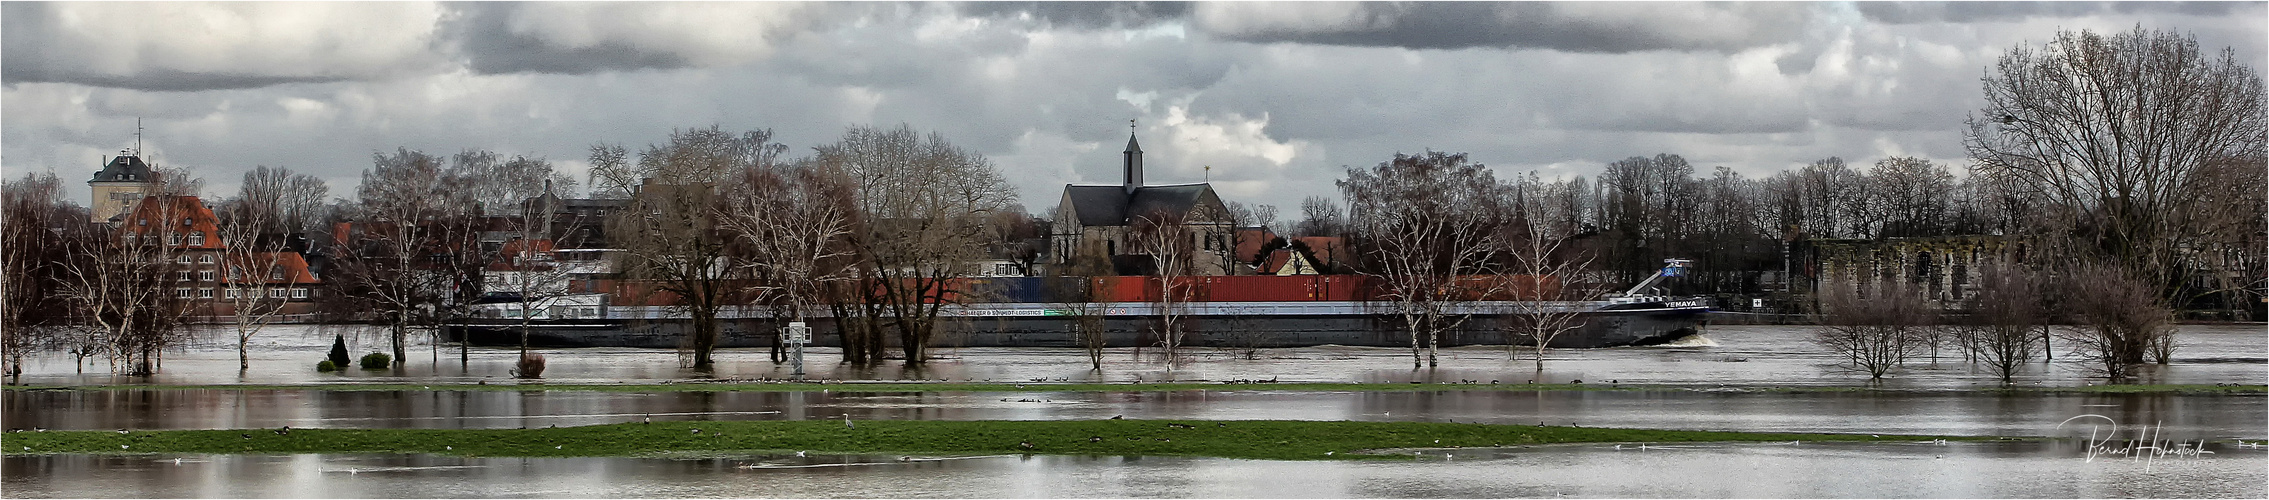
(401, 334)
(243, 360)
(704, 339)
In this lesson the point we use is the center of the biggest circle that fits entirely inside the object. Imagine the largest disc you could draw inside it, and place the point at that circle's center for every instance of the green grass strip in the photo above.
(1148, 387)
(1264, 439)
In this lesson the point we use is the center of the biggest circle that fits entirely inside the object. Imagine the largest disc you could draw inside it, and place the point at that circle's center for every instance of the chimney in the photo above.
(1133, 164)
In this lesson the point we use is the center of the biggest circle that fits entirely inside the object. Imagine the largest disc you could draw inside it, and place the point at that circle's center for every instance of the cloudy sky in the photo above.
(1278, 98)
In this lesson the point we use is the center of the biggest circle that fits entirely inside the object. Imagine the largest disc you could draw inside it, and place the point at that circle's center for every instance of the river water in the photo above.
(1733, 355)
(1717, 366)
(1789, 470)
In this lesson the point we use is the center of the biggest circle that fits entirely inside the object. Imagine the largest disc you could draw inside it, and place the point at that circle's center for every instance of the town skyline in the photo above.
(1277, 98)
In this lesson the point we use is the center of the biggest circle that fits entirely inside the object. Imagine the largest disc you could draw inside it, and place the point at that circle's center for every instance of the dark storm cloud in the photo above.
(157, 80)
(1961, 12)
(1082, 15)
(1606, 27)
(488, 45)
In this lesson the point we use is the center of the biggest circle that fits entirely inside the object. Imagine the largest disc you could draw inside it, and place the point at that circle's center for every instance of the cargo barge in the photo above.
(1127, 316)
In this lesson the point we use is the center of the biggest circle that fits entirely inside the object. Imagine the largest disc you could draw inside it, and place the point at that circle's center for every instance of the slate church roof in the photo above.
(125, 168)
(1112, 206)
(1107, 205)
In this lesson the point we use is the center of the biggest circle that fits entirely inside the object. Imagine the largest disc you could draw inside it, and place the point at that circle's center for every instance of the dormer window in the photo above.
(197, 239)
(185, 221)
(142, 222)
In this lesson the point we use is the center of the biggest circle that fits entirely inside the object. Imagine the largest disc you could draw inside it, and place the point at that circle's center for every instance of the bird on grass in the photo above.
(1118, 417)
(847, 422)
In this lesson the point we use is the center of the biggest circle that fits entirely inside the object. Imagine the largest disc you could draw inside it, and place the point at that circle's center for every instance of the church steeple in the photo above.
(1133, 160)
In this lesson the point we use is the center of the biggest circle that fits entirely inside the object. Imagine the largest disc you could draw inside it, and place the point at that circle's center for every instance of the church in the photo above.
(1094, 222)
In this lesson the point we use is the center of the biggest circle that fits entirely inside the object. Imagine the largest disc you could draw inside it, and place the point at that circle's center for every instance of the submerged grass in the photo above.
(1263, 439)
(2206, 389)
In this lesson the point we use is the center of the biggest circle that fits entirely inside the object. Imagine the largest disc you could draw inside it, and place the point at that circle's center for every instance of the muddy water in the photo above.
(1787, 470)
(1735, 355)
(1948, 413)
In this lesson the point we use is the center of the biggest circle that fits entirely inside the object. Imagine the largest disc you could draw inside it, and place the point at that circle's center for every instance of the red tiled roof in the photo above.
(158, 216)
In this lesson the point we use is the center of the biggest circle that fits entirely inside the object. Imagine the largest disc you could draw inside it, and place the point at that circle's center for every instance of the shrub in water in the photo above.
(376, 361)
(339, 351)
(531, 366)
(326, 366)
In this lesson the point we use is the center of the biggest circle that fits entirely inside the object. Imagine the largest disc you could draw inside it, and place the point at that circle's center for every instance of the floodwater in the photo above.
(1938, 413)
(1719, 364)
(1787, 470)
(1725, 355)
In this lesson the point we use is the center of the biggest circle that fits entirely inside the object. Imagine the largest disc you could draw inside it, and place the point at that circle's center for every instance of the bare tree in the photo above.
(252, 268)
(1545, 304)
(125, 281)
(1320, 217)
(33, 219)
(404, 196)
(794, 225)
(289, 202)
(1172, 246)
(1874, 331)
(923, 206)
(2111, 131)
(1075, 291)
(1910, 197)
(2120, 317)
(669, 231)
(2005, 316)
(1423, 222)
(612, 175)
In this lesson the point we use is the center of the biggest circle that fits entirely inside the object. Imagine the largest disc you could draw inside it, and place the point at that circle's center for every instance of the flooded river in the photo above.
(1944, 413)
(1715, 366)
(1735, 355)
(1785, 470)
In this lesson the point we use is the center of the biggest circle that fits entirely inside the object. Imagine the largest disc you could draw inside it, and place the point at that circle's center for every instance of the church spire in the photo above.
(1133, 160)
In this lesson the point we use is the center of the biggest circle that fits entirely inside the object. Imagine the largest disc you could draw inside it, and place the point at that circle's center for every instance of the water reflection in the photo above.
(1951, 413)
(1735, 355)
(2056, 469)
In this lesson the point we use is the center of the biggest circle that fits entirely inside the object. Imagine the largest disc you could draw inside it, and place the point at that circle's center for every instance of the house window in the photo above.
(299, 293)
(276, 293)
(197, 238)
(205, 275)
(173, 239)
(184, 276)
(205, 259)
(233, 293)
(142, 222)
(185, 221)
(275, 273)
(204, 293)
(181, 292)
(184, 258)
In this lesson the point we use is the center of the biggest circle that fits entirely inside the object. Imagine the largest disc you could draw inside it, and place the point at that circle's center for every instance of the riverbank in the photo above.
(1246, 439)
(860, 386)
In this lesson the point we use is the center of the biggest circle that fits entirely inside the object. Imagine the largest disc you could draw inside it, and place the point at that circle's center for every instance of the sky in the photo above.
(1277, 98)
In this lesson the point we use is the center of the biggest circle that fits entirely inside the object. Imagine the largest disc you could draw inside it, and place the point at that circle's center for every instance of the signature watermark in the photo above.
(2144, 443)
